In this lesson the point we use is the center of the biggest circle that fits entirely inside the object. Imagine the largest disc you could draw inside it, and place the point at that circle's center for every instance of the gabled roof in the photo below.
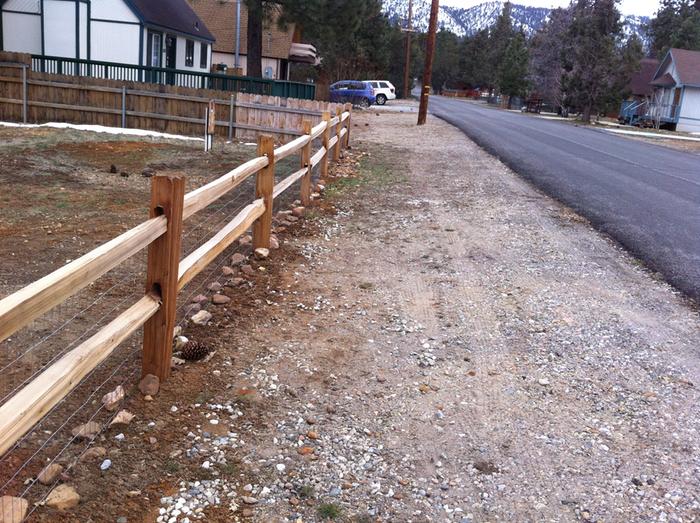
(640, 83)
(665, 80)
(220, 17)
(176, 15)
(687, 66)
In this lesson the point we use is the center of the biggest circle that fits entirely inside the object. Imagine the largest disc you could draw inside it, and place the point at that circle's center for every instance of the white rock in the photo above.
(201, 318)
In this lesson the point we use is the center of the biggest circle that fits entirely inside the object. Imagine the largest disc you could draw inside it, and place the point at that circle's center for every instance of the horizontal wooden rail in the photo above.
(291, 147)
(200, 198)
(288, 181)
(343, 132)
(334, 121)
(332, 142)
(316, 158)
(344, 116)
(27, 304)
(28, 406)
(318, 130)
(203, 255)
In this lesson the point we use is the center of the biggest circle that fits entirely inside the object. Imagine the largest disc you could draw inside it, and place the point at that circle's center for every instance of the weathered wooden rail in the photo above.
(167, 274)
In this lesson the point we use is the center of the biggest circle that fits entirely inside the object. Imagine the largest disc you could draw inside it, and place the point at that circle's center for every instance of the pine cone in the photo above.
(193, 350)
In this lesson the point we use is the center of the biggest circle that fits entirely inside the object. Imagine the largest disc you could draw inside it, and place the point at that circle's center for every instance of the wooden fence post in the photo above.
(348, 108)
(338, 127)
(264, 186)
(326, 139)
(306, 162)
(167, 198)
(25, 101)
(124, 106)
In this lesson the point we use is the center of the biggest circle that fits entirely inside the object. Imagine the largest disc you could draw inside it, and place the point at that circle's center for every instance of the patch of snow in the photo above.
(102, 129)
(653, 135)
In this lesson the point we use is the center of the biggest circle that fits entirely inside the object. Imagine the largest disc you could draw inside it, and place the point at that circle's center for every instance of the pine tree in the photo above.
(677, 24)
(591, 57)
(513, 68)
(546, 57)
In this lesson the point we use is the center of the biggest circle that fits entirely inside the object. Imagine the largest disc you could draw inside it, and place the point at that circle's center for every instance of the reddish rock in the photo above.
(220, 299)
(149, 385)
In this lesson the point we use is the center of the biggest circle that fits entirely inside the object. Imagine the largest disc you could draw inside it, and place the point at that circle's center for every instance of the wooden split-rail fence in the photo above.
(166, 273)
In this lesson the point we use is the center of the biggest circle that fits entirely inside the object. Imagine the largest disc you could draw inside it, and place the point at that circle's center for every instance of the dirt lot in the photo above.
(437, 341)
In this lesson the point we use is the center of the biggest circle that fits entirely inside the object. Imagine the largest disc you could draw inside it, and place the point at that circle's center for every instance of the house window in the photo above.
(155, 49)
(203, 55)
(189, 53)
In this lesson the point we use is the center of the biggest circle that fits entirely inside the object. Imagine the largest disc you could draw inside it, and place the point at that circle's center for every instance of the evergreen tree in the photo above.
(677, 24)
(546, 57)
(512, 70)
(591, 56)
(475, 68)
(446, 63)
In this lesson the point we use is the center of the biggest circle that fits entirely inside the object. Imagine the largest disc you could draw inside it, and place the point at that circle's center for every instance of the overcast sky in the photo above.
(632, 7)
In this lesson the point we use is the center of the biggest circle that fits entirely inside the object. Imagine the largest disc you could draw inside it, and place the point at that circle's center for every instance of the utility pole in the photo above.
(407, 66)
(429, 54)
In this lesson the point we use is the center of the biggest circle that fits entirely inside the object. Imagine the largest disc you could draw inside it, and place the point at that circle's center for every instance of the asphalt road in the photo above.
(645, 196)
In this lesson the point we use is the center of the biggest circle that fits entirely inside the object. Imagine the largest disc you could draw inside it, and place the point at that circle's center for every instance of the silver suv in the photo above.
(383, 90)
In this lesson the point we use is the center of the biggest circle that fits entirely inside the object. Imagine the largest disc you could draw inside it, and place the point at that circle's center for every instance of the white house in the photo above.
(677, 91)
(158, 33)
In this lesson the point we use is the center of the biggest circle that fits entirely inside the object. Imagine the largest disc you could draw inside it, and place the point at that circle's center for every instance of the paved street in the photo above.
(645, 196)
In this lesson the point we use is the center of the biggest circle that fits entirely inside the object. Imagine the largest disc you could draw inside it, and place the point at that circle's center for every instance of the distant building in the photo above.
(676, 99)
(280, 48)
(158, 33)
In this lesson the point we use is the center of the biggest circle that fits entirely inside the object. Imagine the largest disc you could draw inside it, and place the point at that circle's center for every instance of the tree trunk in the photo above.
(586, 117)
(255, 33)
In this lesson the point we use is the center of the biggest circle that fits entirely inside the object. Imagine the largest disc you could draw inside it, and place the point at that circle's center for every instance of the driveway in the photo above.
(646, 197)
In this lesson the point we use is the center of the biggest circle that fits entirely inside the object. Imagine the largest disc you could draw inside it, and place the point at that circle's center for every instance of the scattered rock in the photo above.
(123, 417)
(180, 342)
(220, 299)
(148, 397)
(93, 453)
(113, 169)
(248, 270)
(310, 420)
(245, 240)
(248, 512)
(152, 440)
(49, 474)
(106, 464)
(63, 497)
(543, 381)
(305, 450)
(215, 286)
(149, 385)
(201, 318)
(312, 434)
(12, 509)
(227, 271)
(262, 253)
(274, 243)
(292, 219)
(148, 173)
(87, 430)
(235, 282)
(112, 399)
(298, 211)
(238, 259)
(200, 298)
(193, 309)
(486, 467)
(249, 500)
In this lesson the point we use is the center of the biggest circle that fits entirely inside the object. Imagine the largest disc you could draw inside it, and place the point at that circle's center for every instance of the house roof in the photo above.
(665, 80)
(640, 83)
(176, 15)
(220, 17)
(687, 66)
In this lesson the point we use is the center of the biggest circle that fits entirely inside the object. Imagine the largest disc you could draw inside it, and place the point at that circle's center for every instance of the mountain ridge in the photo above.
(470, 20)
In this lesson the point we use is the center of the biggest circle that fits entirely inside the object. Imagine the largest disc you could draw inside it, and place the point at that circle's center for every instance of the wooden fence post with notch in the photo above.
(338, 128)
(348, 108)
(326, 139)
(306, 162)
(167, 198)
(264, 187)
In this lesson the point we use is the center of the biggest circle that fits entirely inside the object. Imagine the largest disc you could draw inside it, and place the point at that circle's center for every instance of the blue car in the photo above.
(353, 91)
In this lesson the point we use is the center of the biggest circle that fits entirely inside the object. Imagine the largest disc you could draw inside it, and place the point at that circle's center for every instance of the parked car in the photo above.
(353, 91)
(383, 90)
